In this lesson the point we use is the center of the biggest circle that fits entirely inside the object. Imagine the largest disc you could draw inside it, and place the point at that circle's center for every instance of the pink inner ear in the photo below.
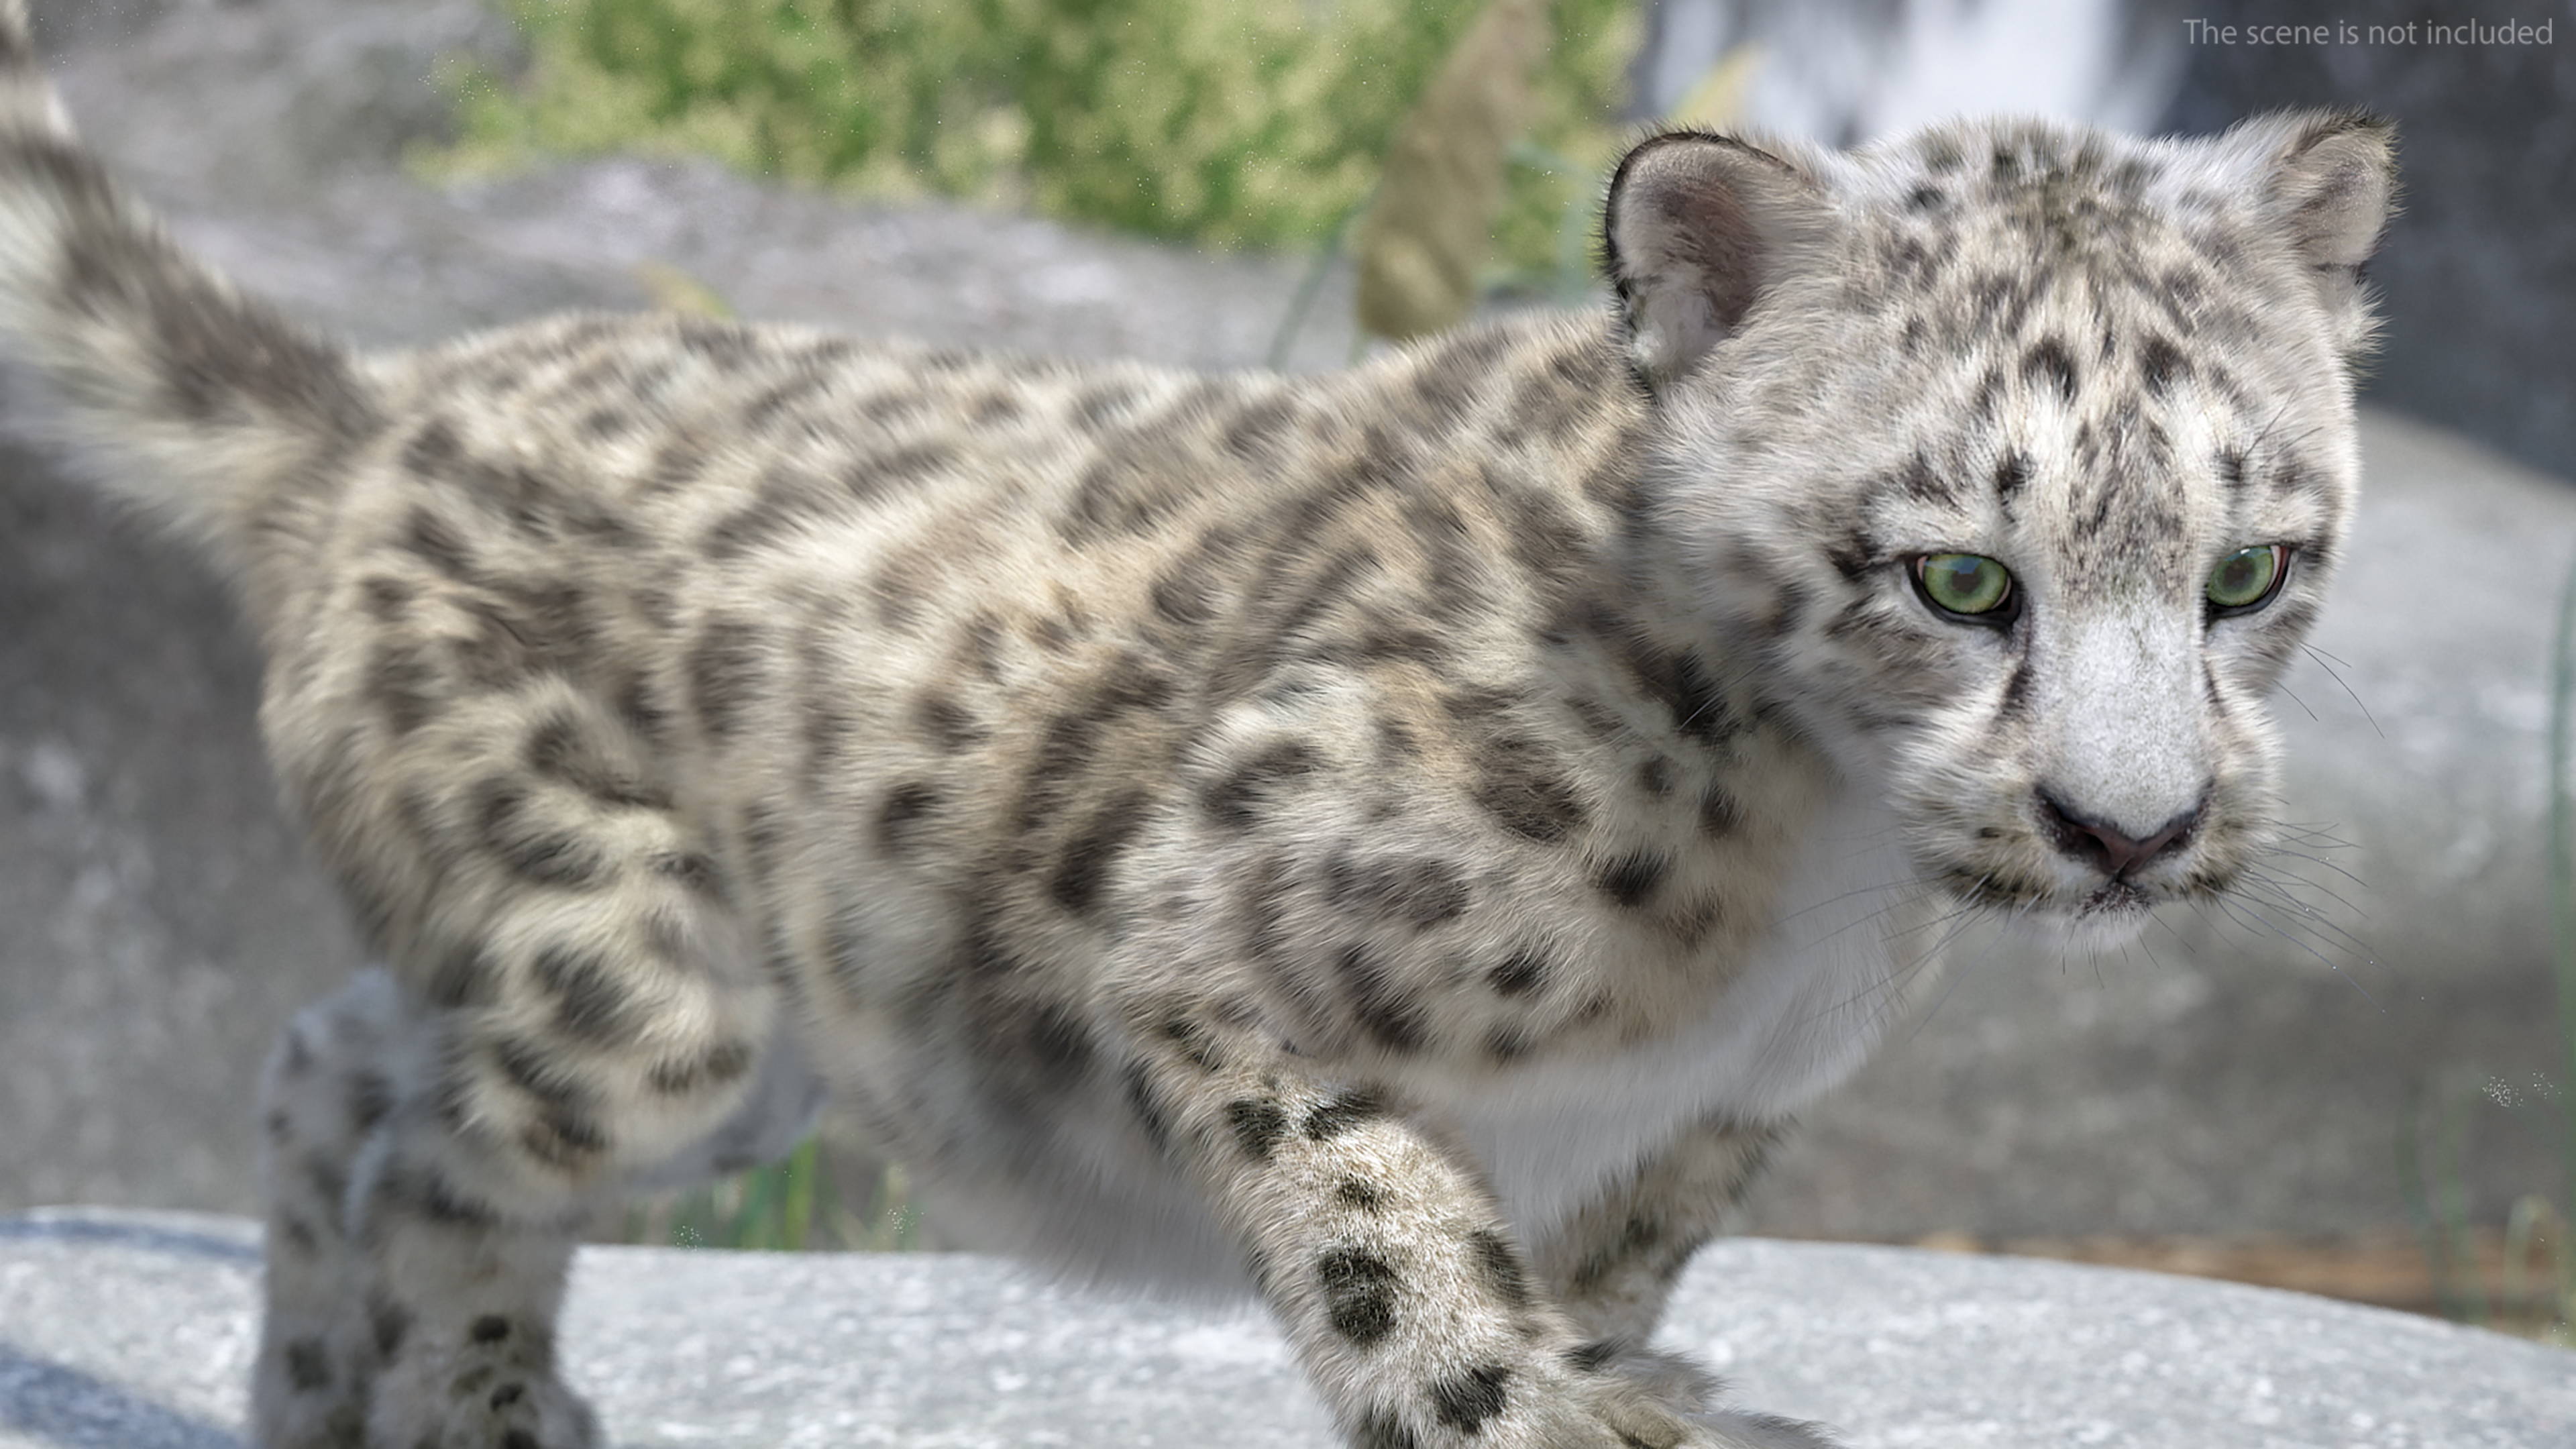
(2339, 224)
(1713, 238)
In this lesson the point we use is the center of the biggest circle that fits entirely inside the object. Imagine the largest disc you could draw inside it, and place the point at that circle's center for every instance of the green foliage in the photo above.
(1209, 120)
(786, 1206)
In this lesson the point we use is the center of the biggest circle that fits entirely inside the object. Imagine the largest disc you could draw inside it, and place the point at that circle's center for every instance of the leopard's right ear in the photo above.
(1698, 227)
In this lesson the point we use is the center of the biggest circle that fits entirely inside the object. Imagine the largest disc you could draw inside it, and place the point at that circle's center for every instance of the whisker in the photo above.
(2357, 881)
(2319, 836)
(1961, 973)
(2235, 907)
(2279, 889)
(2337, 675)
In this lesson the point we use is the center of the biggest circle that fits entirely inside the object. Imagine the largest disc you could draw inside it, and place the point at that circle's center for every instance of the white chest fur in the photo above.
(1794, 1022)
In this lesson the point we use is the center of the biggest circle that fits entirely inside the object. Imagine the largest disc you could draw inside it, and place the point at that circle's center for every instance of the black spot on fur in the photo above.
(949, 724)
(558, 750)
(2049, 363)
(1235, 800)
(909, 465)
(2160, 363)
(1087, 858)
(1197, 1044)
(1589, 1357)
(1184, 597)
(1681, 683)
(534, 851)
(1719, 814)
(1517, 787)
(1258, 1126)
(1148, 1109)
(1467, 1400)
(724, 675)
(388, 1322)
(1522, 973)
(591, 1002)
(1632, 877)
(2012, 474)
(675, 465)
(435, 541)
(1377, 1002)
(1342, 1113)
(719, 1064)
(1416, 890)
(1655, 776)
(1500, 1266)
(1918, 479)
(308, 1365)
(403, 686)
(1353, 1193)
(908, 807)
(785, 502)
(490, 1328)
(1359, 1294)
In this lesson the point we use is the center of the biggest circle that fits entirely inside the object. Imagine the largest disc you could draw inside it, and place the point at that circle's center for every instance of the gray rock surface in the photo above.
(136, 1330)
(157, 924)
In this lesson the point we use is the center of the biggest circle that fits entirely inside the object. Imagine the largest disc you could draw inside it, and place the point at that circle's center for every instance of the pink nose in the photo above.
(2107, 848)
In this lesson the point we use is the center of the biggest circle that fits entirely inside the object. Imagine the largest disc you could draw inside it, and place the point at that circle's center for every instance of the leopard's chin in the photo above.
(2111, 917)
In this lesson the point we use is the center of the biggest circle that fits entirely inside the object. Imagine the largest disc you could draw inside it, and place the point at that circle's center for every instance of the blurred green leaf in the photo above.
(1206, 120)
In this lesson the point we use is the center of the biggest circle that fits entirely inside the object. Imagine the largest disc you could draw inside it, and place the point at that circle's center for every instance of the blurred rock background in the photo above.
(2240, 1073)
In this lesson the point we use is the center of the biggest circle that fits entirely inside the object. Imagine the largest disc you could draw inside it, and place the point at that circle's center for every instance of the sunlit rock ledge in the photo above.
(136, 1329)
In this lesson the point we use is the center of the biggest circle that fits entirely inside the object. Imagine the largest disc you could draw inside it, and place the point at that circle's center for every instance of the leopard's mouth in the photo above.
(2115, 898)
(2107, 916)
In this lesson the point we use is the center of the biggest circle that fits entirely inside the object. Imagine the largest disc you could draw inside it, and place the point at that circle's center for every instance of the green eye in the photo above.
(1963, 583)
(2247, 577)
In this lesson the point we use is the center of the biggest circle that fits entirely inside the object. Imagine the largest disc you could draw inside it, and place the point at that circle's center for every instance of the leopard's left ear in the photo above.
(2328, 183)
(1697, 229)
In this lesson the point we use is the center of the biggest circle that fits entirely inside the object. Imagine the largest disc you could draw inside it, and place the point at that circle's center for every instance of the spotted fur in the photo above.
(1403, 843)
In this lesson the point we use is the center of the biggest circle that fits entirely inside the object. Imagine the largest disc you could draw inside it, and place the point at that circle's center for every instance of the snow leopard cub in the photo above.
(1401, 842)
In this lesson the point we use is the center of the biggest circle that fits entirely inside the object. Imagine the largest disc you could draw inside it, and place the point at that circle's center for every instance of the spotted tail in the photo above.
(205, 408)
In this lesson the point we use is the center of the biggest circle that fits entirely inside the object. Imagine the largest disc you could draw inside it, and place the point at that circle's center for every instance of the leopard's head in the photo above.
(2014, 460)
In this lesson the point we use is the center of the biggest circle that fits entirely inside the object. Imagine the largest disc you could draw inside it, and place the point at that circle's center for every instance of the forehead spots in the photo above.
(2048, 364)
(2161, 364)
(2012, 474)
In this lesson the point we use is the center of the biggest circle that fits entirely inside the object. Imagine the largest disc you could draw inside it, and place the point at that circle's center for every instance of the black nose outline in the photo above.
(2105, 847)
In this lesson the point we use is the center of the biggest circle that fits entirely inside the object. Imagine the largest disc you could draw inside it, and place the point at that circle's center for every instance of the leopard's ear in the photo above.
(2328, 186)
(1698, 227)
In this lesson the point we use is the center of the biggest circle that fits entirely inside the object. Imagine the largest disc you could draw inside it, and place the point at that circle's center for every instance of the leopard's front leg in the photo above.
(1387, 1262)
(1613, 1263)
